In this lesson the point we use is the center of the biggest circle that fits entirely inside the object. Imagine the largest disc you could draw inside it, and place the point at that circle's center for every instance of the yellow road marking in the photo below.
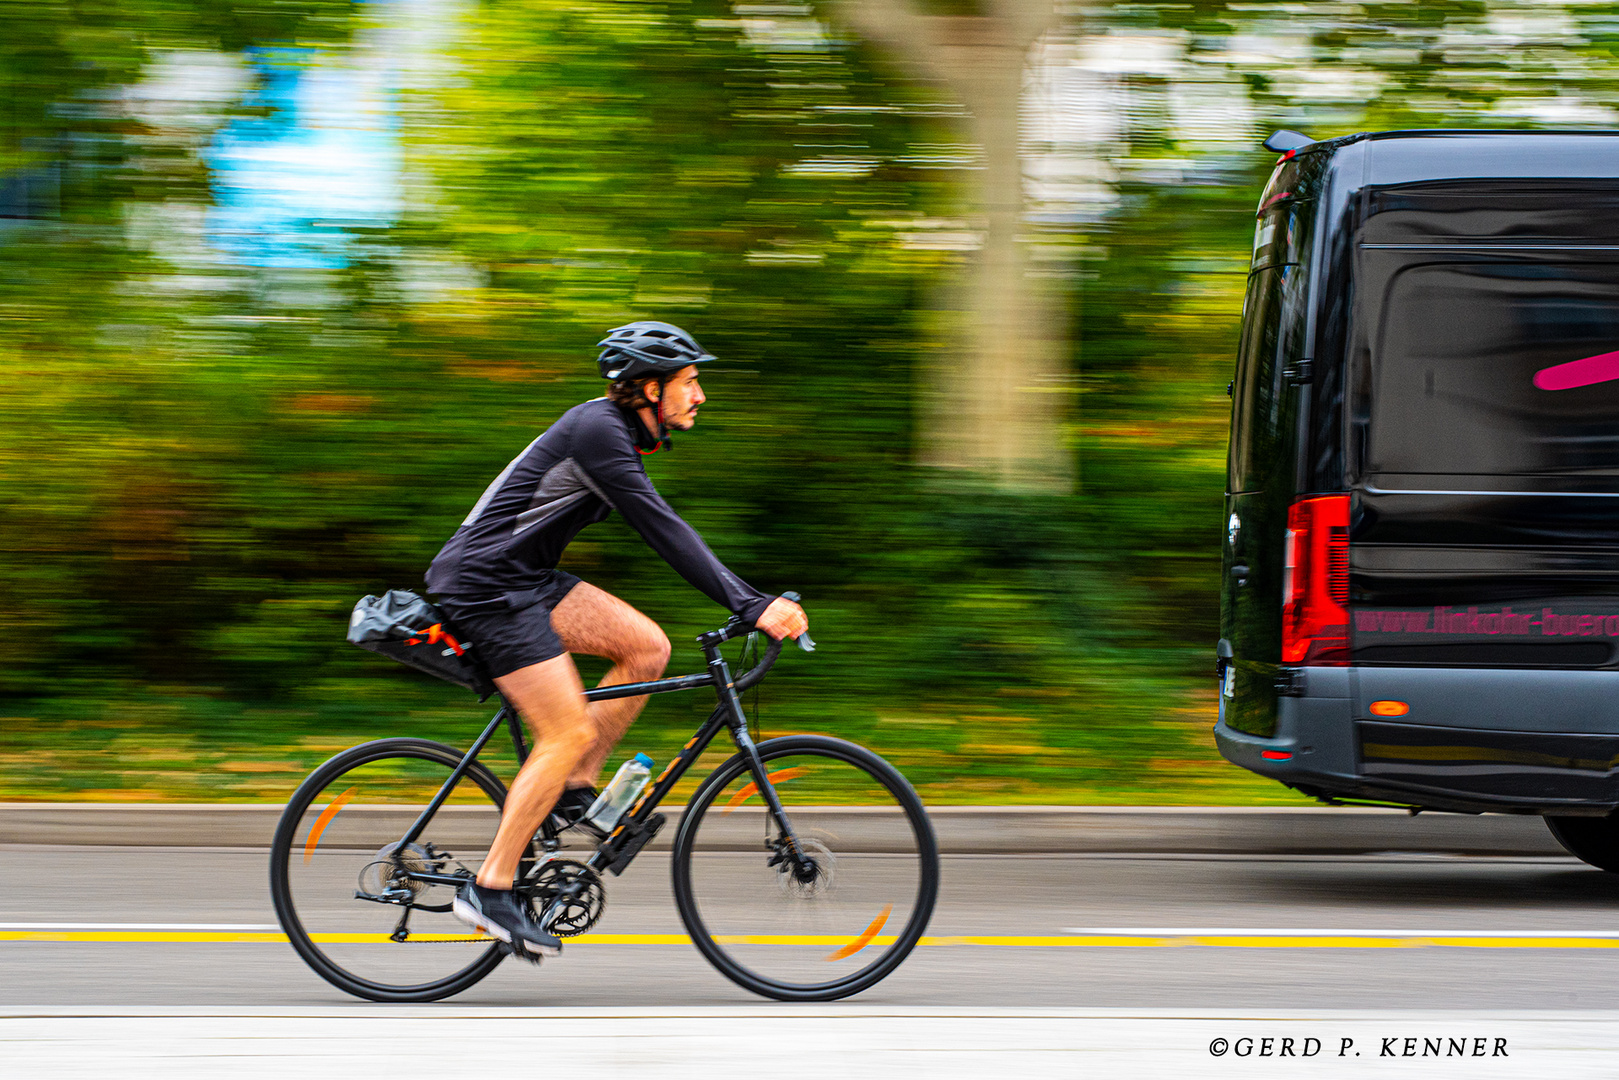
(1075, 941)
(186, 937)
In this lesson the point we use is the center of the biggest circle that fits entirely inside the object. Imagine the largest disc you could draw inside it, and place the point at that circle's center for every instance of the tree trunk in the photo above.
(995, 405)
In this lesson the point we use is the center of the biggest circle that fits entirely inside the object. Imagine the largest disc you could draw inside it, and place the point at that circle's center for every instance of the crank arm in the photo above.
(459, 878)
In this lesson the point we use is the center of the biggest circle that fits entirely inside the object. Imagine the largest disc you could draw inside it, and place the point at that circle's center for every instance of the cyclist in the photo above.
(497, 580)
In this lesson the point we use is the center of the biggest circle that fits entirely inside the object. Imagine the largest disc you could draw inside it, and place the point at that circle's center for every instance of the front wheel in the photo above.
(829, 916)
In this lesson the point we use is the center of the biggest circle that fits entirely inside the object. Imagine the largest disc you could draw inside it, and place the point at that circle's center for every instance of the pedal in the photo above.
(635, 838)
(522, 954)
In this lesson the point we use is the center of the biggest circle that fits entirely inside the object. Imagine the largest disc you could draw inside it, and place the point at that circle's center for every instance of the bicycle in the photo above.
(811, 895)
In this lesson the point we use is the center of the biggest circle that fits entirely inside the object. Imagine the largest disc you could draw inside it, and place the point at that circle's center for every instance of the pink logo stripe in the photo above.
(1576, 373)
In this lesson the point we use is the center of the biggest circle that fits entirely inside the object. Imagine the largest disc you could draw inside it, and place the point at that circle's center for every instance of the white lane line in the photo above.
(1079, 931)
(1242, 931)
(1083, 931)
(201, 928)
(672, 1045)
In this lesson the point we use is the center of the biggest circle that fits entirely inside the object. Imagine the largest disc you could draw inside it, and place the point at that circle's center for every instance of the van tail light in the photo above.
(1315, 582)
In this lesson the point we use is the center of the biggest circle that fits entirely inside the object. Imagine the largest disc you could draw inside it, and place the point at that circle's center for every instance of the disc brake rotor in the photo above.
(811, 875)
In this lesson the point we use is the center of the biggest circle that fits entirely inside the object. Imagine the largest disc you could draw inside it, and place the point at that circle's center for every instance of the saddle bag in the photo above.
(406, 627)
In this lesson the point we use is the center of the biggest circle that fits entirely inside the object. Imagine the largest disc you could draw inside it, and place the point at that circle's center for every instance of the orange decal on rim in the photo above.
(324, 820)
(752, 789)
(865, 937)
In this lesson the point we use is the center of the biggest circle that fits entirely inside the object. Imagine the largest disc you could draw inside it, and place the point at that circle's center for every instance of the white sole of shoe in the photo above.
(469, 915)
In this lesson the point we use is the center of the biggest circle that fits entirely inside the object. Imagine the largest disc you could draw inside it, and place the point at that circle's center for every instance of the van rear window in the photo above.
(1496, 368)
(1262, 414)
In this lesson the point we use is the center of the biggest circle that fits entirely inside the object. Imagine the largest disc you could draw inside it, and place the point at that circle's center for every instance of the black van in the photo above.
(1421, 595)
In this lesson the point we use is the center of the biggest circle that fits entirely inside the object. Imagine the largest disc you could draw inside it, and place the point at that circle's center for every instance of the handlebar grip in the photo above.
(805, 642)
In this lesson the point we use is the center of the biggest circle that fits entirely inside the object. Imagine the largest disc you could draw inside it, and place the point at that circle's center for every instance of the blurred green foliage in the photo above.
(206, 463)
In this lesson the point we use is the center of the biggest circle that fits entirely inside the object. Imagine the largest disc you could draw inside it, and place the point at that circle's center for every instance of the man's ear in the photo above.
(652, 390)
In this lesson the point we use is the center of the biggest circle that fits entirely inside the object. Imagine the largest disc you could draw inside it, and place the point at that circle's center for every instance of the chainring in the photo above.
(584, 897)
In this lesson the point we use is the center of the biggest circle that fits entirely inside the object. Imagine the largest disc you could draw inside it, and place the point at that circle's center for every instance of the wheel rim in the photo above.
(842, 916)
(343, 841)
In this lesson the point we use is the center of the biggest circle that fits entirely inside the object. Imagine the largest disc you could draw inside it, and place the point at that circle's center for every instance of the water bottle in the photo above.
(621, 794)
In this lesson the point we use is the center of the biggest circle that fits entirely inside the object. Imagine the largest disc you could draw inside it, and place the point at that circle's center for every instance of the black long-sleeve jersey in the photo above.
(578, 472)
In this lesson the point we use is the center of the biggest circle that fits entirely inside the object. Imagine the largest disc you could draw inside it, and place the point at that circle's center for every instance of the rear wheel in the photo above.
(335, 871)
(1593, 839)
(831, 918)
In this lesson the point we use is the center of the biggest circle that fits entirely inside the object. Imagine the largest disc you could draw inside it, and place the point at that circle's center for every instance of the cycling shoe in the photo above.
(498, 913)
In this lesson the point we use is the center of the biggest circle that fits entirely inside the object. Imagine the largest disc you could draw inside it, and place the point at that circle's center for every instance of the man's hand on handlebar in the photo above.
(783, 619)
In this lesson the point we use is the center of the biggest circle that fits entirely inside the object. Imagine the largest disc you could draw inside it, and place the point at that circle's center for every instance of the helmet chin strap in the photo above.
(663, 442)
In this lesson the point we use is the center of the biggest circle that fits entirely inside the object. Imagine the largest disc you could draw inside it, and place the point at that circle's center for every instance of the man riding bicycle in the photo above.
(498, 581)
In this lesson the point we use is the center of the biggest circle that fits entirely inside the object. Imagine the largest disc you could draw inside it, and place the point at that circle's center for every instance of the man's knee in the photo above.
(655, 653)
(644, 652)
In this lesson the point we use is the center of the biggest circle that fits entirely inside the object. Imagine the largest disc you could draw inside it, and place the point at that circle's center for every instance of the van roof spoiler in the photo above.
(1283, 141)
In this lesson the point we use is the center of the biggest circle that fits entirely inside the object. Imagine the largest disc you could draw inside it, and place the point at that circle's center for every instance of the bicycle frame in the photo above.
(637, 826)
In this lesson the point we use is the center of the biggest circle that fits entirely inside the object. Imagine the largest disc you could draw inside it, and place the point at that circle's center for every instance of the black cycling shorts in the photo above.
(511, 630)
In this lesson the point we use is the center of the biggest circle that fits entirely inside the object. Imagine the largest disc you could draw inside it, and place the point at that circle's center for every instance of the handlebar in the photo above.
(736, 628)
(749, 678)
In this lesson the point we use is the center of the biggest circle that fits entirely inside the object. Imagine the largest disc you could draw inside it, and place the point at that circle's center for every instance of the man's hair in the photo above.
(630, 393)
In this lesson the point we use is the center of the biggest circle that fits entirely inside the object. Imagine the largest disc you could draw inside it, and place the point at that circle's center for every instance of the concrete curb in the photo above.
(1244, 830)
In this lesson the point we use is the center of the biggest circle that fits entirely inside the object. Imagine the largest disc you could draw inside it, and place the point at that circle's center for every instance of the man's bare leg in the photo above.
(551, 698)
(597, 623)
(571, 739)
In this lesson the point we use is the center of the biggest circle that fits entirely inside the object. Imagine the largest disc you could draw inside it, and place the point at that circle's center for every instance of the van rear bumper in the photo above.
(1526, 741)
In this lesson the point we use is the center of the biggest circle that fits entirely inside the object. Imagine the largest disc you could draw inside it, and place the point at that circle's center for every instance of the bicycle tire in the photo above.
(282, 852)
(927, 883)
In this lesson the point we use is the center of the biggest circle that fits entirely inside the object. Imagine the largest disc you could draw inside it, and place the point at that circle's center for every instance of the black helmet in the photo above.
(638, 349)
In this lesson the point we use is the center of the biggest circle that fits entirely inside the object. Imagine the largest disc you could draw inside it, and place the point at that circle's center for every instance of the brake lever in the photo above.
(805, 642)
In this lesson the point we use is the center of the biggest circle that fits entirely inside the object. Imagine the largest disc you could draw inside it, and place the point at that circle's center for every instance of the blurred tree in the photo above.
(995, 399)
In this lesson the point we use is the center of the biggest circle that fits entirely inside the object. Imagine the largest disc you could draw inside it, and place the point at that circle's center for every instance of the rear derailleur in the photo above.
(387, 878)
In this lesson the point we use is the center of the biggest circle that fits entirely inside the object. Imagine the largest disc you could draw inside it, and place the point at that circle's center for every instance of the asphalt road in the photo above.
(1393, 932)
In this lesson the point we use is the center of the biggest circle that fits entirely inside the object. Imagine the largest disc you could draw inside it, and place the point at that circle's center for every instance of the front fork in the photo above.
(737, 721)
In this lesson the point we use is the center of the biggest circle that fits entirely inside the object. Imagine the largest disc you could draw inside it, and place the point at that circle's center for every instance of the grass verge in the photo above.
(181, 744)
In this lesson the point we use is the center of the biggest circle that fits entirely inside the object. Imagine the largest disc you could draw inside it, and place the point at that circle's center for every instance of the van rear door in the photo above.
(1264, 437)
(1484, 429)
